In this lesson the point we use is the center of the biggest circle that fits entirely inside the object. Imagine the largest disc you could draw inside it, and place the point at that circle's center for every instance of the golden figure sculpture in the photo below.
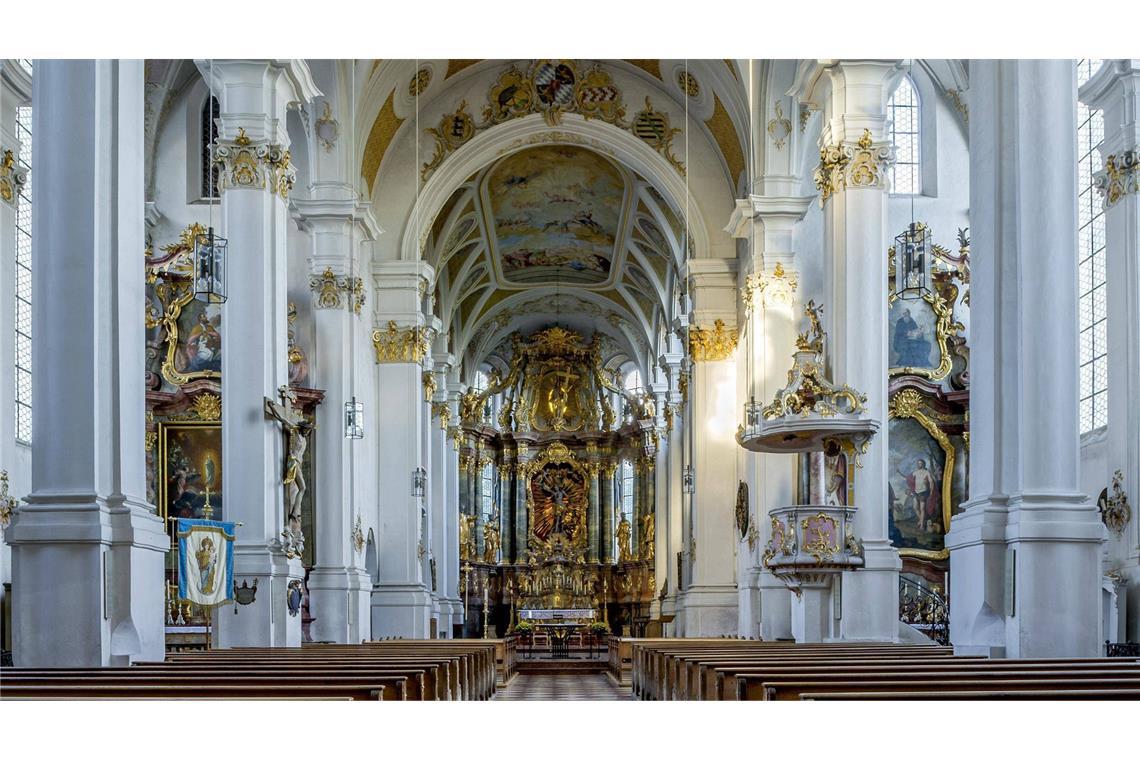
(490, 543)
(624, 533)
(647, 536)
(467, 536)
(206, 557)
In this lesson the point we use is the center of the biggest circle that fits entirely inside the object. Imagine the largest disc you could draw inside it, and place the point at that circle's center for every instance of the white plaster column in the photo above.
(87, 550)
(256, 176)
(769, 222)
(450, 577)
(853, 184)
(1115, 89)
(1025, 554)
(339, 586)
(444, 493)
(669, 466)
(15, 458)
(401, 601)
(710, 602)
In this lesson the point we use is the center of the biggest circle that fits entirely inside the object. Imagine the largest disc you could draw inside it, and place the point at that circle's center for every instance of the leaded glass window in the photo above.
(24, 281)
(902, 110)
(1091, 263)
(209, 134)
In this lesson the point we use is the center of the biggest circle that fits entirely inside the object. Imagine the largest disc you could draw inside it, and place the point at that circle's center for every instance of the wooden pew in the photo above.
(1065, 694)
(948, 682)
(378, 690)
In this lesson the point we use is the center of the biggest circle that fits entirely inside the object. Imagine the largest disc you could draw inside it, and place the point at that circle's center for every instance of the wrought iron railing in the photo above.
(1122, 649)
(924, 610)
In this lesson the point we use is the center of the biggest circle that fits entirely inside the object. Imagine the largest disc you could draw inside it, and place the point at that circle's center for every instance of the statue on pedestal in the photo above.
(624, 533)
(297, 430)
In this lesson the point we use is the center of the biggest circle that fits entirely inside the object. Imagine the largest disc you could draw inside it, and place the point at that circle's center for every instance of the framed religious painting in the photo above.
(190, 470)
(920, 494)
(193, 343)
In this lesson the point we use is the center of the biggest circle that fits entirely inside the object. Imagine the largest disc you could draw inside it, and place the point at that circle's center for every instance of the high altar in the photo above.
(543, 535)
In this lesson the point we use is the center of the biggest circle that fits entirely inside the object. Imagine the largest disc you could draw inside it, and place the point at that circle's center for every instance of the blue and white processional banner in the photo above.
(205, 561)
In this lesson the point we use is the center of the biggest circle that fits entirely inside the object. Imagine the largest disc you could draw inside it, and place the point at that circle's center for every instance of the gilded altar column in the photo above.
(87, 549)
(710, 602)
(1115, 89)
(853, 183)
(256, 175)
(401, 599)
(607, 473)
(1027, 546)
(339, 586)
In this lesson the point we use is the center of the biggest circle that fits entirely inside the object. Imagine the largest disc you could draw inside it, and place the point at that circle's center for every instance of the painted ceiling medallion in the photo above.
(555, 212)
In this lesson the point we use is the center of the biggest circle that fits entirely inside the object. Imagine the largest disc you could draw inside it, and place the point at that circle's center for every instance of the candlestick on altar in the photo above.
(466, 592)
(486, 611)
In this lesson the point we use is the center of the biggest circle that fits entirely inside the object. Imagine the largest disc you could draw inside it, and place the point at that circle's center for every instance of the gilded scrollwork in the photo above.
(395, 344)
(1115, 511)
(712, 344)
(550, 88)
(1120, 177)
(821, 537)
(13, 177)
(779, 128)
(242, 163)
(776, 288)
(847, 165)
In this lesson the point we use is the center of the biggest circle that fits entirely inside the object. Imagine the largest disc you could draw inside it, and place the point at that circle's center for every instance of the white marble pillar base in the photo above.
(870, 596)
(104, 559)
(775, 608)
(811, 614)
(339, 601)
(266, 622)
(748, 603)
(401, 610)
(709, 611)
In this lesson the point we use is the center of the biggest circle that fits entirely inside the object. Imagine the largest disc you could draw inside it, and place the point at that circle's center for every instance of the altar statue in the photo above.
(624, 532)
(648, 539)
(490, 543)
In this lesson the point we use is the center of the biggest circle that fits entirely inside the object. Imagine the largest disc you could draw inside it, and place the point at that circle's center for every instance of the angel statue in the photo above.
(297, 428)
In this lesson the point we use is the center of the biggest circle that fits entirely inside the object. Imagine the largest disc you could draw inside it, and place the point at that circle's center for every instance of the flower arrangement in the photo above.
(599, 628)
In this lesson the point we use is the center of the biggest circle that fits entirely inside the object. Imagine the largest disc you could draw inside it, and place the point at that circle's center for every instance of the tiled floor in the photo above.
(562, 687)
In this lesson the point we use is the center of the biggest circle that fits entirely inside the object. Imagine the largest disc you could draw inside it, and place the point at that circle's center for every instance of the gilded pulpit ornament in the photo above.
(848, 165)
(1114, 509)
(8, 504)
(13, 177)
(1119, 177)
(779, 127)
(711, 344)
(395, 344)
(297, 430)
(262, 165)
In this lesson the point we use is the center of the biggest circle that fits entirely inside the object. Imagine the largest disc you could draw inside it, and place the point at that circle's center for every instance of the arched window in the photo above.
(207, 135)
(633, 381)
(902, 110)
(625, 492)
(1091, 262)
(24, 277)
(487, 491)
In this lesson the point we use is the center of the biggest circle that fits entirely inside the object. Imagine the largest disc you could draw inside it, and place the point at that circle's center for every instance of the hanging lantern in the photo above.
(354, 419)
(687, 480)
(649, 442)
(913, 259)
(210, 267)
(752, 417)
(419, 482)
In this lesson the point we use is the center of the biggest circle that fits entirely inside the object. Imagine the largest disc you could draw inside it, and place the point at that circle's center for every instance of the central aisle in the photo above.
(562, 686)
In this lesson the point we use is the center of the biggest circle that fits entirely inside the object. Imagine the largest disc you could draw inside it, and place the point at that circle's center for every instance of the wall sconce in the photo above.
(354, 419)
(210, 267)
(419, 482)
(687, 480)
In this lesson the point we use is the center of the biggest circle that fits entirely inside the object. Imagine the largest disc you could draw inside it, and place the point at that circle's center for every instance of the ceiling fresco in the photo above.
(556, 212)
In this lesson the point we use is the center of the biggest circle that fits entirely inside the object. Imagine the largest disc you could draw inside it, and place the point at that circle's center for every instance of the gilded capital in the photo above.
(848, 165)
(13, 177)
(1118, 178)
(711, 344)
(259, 165)
(332, 291)
(395, 344)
